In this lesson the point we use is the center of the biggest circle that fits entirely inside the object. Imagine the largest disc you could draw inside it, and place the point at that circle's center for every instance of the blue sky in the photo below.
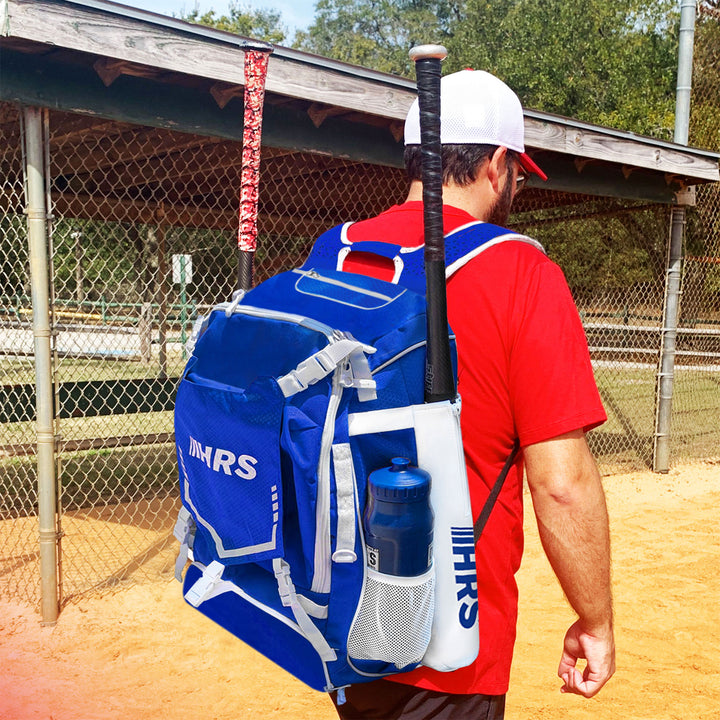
(296, 14)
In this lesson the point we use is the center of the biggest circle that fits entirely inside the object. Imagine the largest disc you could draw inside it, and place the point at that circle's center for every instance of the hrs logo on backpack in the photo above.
(463, 547)
(225, 461)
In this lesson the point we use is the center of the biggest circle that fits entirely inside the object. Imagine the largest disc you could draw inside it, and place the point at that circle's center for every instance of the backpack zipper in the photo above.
(339, 283)
(301, 320)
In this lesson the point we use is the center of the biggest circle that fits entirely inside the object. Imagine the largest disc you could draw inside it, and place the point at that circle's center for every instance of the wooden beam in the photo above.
(119, 146)
(319, 113)
(118, 36)
(34, 80)
(110, 70)
(224, 93)
(68, 128)
(282, 169)
(9, 114)
(397, 129)
(298, 222)
(605, 180)
(590, 143)
(200, 162)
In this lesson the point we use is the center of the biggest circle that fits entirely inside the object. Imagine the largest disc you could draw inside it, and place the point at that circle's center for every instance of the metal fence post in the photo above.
(40, 283)
(666, 369)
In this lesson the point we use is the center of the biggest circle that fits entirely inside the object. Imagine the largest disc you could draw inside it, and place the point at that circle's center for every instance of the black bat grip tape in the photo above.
(439, 380)
(428, 83)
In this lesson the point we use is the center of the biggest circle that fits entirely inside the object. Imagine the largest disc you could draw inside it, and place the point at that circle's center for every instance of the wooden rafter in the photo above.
(110, 70)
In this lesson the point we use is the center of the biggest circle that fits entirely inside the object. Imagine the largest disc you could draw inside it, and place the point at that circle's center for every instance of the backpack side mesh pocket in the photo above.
(395, 618)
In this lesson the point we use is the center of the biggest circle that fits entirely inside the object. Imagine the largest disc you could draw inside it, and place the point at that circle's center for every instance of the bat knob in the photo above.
(423, 52)
(256, 45)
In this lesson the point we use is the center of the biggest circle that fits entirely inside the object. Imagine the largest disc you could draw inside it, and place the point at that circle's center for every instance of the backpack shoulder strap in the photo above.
(466, 242)
(495, 492)
(461, 246)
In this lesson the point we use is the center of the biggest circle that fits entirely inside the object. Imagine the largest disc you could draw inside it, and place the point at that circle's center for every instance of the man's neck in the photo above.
(466, 198)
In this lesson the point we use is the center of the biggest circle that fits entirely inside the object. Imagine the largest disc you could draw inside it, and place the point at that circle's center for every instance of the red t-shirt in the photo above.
(523, 372)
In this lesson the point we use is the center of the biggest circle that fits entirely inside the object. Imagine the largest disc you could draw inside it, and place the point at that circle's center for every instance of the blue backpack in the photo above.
(295, 392)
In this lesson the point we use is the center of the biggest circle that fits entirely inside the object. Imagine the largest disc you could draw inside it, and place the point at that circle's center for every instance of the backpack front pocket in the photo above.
(228, 444)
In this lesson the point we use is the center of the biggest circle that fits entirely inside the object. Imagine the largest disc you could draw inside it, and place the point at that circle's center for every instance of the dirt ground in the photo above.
(142, 654)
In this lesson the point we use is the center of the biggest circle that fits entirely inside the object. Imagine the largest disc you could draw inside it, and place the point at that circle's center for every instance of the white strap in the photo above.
(451, 269)
(345, 495)
(290, 599)
(230, 307)
(185, 532)
(356, 373)
(322, 363)
(205, 584)
(313, 608)
(377, 421)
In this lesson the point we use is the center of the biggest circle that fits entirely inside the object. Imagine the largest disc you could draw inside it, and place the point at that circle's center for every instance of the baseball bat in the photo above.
(439, 378)
(256, 59)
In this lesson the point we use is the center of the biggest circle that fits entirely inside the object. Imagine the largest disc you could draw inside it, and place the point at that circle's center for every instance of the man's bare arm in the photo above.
(572, 519)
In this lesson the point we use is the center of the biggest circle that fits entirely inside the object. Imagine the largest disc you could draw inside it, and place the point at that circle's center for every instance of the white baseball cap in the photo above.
(476, 108)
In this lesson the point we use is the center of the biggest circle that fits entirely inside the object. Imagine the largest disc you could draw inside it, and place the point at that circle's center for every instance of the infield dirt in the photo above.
(142, 654)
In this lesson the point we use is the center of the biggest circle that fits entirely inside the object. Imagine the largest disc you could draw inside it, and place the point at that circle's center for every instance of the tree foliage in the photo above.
(243, 20)
(378, 33)
(705, 106)
(611, 62)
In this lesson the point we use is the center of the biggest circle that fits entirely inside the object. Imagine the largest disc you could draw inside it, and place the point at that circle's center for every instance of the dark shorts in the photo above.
(385, 700)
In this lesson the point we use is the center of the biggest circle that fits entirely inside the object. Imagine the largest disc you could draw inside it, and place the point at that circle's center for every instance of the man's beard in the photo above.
(500, 211)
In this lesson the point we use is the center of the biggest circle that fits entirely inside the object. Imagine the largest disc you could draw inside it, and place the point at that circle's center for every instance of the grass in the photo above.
(92, 478)
(628, 393)
(20, 371)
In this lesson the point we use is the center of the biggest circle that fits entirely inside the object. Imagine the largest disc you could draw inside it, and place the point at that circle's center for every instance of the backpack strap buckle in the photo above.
(203, 588)
(185, 532)
(323, 362)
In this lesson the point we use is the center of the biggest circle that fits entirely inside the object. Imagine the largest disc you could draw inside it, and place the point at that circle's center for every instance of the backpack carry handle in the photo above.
(439, 379)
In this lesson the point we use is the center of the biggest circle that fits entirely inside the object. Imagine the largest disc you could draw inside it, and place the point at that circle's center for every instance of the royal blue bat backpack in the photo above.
(294, 393)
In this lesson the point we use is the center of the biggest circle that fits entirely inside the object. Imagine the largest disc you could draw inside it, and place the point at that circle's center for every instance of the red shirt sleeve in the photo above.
(551, 381)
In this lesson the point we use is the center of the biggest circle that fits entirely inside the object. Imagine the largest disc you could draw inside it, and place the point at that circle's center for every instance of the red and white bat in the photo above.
(257, 56)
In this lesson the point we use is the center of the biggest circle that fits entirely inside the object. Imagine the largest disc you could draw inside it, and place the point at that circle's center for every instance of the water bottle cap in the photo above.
(401, 482)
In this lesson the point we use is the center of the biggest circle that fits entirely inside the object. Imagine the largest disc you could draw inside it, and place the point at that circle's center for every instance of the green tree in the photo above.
(610, 62)
(705, 106)
(378, 33)
(703, 230)
(243, 20)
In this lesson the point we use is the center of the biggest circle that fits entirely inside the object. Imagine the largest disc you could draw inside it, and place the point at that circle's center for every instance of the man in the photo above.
(525, 373)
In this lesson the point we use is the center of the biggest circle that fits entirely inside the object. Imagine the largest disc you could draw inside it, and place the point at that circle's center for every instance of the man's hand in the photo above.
(598, 649)
(572, 520)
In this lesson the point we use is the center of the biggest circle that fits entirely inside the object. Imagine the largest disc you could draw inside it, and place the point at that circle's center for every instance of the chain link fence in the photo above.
(613, 254)
(19, 552)
(142, 235)
(696, 400)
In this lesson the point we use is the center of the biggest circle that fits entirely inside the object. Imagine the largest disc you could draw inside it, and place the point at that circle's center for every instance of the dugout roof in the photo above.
(108, 68)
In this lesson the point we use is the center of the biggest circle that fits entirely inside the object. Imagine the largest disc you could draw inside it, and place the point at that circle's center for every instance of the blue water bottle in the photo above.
(398, 520)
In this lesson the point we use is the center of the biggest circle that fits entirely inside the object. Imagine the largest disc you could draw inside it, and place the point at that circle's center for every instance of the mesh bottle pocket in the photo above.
(395, 619)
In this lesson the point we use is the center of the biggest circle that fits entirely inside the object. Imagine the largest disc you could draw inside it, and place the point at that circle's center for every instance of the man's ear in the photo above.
(497, 165)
